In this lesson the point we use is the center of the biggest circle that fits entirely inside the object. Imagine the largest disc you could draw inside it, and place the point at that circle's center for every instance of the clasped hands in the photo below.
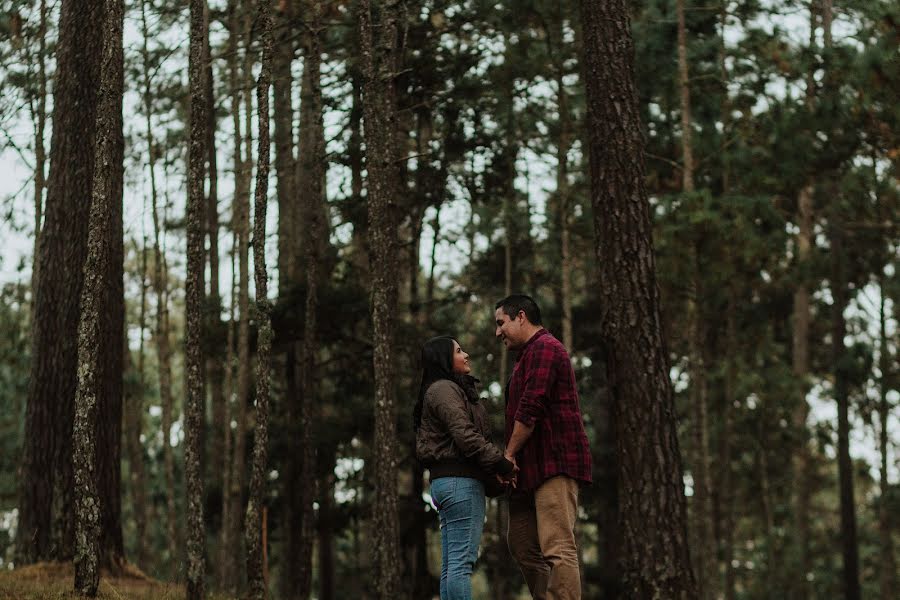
(510, 478)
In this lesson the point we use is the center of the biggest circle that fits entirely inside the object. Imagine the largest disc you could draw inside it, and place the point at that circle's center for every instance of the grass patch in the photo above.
(54, 581)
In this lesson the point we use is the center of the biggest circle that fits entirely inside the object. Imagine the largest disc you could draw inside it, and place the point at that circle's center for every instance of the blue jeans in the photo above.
(460, 504)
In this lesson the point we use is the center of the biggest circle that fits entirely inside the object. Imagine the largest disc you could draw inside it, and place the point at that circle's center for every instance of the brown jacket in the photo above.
(454, 438)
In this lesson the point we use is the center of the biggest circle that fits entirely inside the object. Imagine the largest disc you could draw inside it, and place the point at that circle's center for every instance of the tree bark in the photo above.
(379, 43)
(655, 559)
(194, 405)
(253, 533)
(97, 305)
(325, 528)
(46, 519)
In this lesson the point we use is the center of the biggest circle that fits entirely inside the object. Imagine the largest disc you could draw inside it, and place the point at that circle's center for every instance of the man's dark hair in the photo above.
(512, 304)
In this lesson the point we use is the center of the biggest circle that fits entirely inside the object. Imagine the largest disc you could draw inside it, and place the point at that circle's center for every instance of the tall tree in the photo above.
(655, 558)
(46, 518)
(380, 36)
(97, 305)
(255, 507)
(196, 210)
(887, 577)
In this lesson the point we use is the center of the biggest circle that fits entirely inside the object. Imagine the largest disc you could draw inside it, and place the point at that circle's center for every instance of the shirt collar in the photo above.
(539, 333)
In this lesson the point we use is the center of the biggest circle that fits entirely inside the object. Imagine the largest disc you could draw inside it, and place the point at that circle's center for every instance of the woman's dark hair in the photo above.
(437, 364)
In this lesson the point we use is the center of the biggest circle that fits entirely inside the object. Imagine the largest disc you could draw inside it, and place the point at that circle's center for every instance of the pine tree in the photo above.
(106, 192)
(379, 48)
(655, 559)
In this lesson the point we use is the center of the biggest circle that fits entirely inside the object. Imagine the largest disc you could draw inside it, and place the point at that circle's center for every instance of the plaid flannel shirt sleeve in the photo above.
(536, 394)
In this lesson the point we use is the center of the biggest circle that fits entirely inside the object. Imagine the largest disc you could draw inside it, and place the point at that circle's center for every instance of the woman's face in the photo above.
(460, 360)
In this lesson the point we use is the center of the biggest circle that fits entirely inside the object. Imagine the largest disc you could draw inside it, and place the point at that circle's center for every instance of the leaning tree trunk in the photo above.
(379, 48)
(194, 406)
(655, 559)
(253, 533)
(96, 305)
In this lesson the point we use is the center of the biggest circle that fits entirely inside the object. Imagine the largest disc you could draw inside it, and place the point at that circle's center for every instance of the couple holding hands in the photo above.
(546, 458)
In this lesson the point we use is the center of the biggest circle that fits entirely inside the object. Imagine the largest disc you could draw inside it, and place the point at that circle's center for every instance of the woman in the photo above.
(453, 442)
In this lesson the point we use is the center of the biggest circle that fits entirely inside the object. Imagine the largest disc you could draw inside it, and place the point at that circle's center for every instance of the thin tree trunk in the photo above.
(725, 444)
(214, 366)
(704, 545)
(225, 545)
(256, 567)
(134, 426)
(46, 525)
(39, 116)
(161, 334)
(849, 543)
(381, 64)
(99, 270)
(325, 528)
(312, 168)
(241, 219)
(655, 558)
(802, 463)
(887, 576)
(194, 306)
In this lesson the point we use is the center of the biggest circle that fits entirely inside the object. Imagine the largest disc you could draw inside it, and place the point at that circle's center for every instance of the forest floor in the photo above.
(54, 581)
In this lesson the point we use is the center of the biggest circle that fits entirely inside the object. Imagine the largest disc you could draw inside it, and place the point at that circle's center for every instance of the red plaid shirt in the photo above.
(541, 392)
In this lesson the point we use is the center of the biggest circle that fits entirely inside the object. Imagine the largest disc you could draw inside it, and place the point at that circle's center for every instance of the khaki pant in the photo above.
(541, 537)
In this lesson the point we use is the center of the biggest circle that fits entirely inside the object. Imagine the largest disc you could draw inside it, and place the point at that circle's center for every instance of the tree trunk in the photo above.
(381, 64)
(161, 333)
(225, 546)
(325, 528)
(704, 544)
(849, 543)
(802, 463)
(725, 444)
(253, 533)
(241, 222)
(214, 366)
(46, 524)
(98, 304)
(887, 576)
(134, 426)
(283, 134)
(39, 116)
(655, 559)
(193, 364)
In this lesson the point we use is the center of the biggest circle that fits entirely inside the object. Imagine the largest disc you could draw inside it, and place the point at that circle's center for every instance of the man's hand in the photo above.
(510, 478)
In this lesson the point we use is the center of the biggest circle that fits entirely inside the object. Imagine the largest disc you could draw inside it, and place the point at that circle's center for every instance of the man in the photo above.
(545, 439)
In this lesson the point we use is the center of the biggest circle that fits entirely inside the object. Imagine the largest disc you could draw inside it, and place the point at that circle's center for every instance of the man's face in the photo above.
(510, 330)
